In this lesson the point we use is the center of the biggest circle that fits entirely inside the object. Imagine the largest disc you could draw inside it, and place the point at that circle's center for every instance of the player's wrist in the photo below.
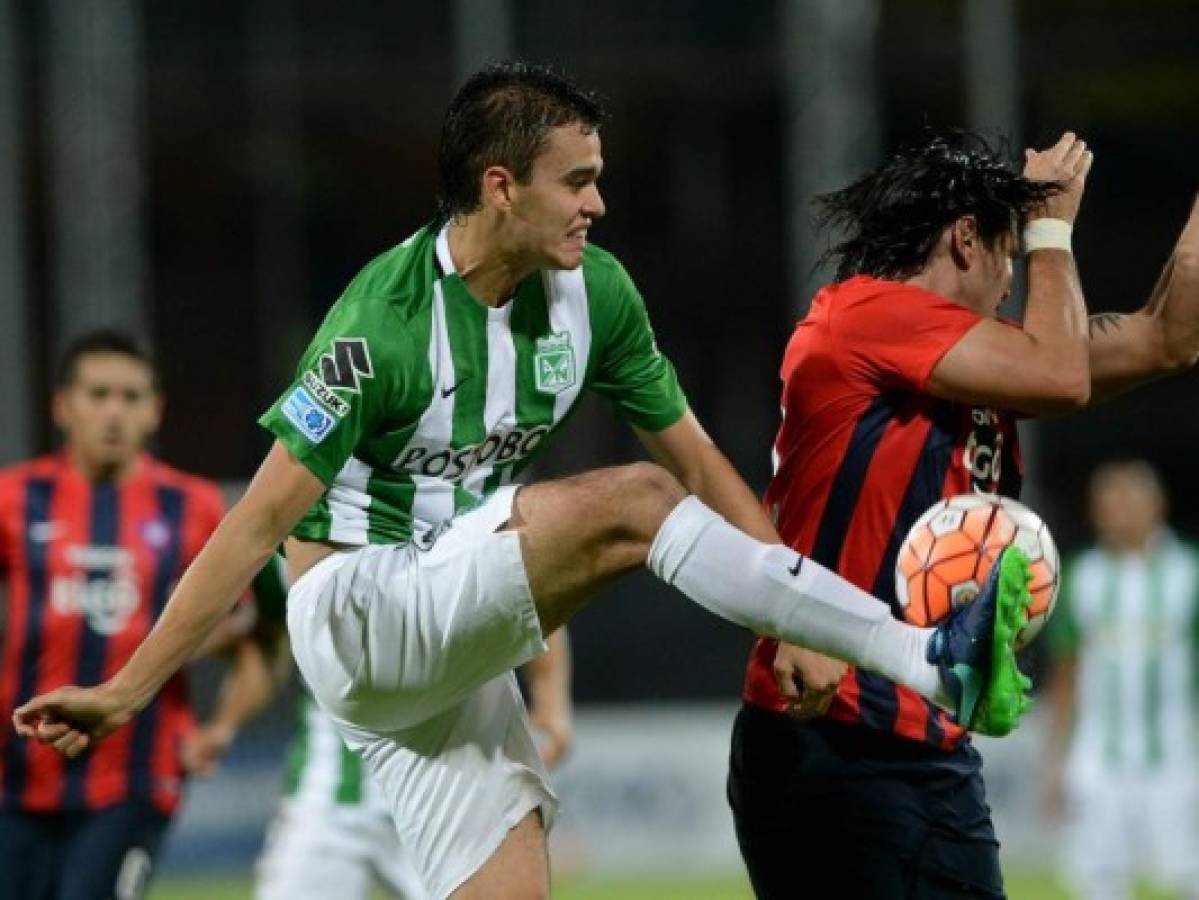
(124, 696)
(1047, 233)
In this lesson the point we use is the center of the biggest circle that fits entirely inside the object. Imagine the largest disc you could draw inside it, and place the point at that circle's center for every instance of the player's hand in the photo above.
(553, 731)
(71, 719)
(202, 751)
(1067, 162)
(807, 679)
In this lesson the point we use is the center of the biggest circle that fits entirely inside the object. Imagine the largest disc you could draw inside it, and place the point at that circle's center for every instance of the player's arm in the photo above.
(550, 709)
(685, 449)
(1040, 369)
(1161, 338)
(282, 490)
(1045, 366)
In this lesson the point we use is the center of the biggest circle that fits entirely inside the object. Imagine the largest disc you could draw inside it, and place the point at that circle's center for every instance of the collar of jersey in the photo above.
(452, 282)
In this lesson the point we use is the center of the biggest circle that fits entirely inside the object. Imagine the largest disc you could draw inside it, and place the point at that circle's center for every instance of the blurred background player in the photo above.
(333, 834)
(1121, 695)
(92, 538)
(901, 387)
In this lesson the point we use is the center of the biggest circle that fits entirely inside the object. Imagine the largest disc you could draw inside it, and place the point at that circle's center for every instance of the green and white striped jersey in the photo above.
(415, 401)
(322, 772)
(1131, 619)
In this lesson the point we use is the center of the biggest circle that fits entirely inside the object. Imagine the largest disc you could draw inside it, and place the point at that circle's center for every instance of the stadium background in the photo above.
(211, 174)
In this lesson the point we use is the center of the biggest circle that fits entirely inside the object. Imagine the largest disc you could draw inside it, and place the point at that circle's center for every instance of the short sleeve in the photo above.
(1062, 634)
(894, 334)
(631, 372)
(338, 394)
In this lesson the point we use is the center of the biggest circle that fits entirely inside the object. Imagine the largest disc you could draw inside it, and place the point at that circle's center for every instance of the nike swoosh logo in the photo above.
(794, 570)
(445, 392)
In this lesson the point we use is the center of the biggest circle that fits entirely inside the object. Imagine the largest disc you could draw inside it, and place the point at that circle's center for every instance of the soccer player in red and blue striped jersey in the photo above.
(92, 539)
(901, 387)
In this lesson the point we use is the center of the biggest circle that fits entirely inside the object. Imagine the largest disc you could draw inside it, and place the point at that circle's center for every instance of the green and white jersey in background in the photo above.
(415, 401)
(1131, 620)
(322, 772)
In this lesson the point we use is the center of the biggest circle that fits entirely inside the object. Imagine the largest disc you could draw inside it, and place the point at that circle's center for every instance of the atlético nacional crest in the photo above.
(554, 363)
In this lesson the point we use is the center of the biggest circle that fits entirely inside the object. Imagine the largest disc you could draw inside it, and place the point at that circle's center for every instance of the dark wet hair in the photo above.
(102, 340)
(503, 116)
(891, 218)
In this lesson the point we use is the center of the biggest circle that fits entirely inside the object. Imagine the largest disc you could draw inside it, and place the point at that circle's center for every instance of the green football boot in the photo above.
(975, 653)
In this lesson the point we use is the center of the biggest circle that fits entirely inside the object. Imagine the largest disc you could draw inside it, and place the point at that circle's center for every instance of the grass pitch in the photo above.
(1020, 886)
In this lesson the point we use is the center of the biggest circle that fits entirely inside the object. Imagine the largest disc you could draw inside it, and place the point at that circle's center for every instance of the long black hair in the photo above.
(891, 218)
(502, 115)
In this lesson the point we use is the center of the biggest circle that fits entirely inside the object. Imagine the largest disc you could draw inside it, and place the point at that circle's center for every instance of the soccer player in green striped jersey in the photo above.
(1122, 758)
(422, 575)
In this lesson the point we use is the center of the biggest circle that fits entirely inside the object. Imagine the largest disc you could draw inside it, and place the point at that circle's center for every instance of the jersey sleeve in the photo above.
(631, 372)
(894, 336)
(1062, 634)
(339, 391)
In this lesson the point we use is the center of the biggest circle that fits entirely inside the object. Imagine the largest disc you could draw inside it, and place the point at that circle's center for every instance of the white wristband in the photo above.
(1047, 234)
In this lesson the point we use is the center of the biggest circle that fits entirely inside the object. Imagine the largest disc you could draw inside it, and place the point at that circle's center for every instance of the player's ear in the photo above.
(964, 241)
(497, 188)
(59, 409)
(157, 407)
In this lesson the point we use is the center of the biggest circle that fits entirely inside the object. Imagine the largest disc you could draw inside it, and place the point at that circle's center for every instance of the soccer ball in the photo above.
(946, 556)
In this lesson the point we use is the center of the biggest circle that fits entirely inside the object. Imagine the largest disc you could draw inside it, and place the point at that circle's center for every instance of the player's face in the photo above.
(1126, 510)
(109, 410)
(990, 278)
(553, 210)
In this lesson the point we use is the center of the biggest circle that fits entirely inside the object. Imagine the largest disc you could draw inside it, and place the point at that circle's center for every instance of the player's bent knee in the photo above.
(643, 494)
(647, 482)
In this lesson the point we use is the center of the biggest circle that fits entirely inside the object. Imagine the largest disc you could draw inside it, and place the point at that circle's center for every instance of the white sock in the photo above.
(757, 585)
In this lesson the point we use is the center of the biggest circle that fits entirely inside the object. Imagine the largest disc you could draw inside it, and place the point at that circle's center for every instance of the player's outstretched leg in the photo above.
(579, 533)
(974, 650)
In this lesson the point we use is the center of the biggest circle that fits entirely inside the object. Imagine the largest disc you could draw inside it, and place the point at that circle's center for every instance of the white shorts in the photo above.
(1130, 825)
(411, 652)
(314, 852)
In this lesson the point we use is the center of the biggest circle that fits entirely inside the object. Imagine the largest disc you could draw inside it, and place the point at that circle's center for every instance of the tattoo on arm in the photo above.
(1103, 323)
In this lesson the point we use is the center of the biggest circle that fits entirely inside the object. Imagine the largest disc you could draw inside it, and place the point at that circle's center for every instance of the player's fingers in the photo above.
(51, 732)
(34, 711)
(1059, 150)
(788, 683)
(25, 723)
(66, 742)
(81, 743)
(1074, 155)
(1083, 165)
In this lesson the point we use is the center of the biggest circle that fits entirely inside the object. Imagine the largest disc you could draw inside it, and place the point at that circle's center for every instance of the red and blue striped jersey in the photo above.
(862, 451)
(88, 568)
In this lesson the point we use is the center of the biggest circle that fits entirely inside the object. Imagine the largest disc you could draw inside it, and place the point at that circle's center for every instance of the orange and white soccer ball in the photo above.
(947, 554)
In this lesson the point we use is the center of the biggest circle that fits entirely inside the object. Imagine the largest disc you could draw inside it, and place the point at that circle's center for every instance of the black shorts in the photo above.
(105, 854)
(824, 809)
